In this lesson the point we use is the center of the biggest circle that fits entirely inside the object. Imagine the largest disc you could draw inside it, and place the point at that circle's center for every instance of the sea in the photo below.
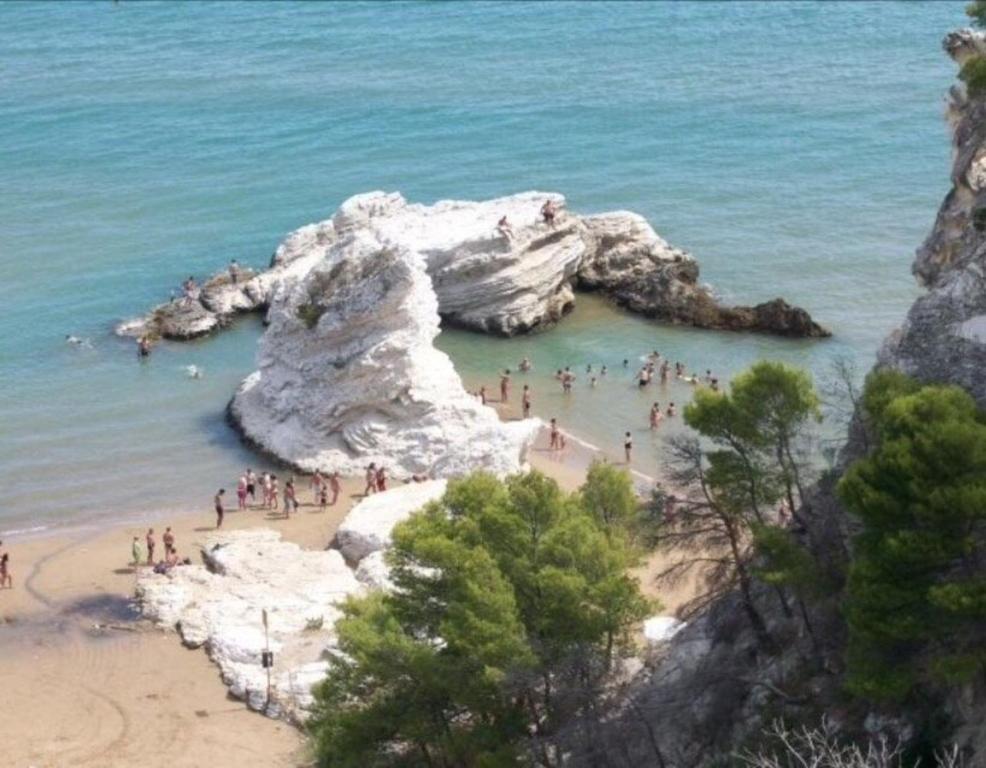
(796, 149)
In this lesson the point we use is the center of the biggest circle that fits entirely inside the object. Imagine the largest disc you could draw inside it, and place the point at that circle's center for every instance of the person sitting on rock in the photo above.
(548, 211)
(504, 228)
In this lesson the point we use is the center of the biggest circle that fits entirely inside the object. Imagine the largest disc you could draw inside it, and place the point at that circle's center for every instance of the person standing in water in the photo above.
(671, 410)
(505, 386)
(627, 446)
(525, 401)
(218, 502)
(555, 435)
(655, 416)
(143, 347)
(525, 365)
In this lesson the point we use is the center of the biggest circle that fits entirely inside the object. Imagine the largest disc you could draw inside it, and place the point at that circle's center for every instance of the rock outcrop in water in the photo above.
(501, 280)
(348, 374)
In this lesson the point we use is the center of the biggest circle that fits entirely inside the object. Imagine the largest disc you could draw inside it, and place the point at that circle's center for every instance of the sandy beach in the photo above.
(87, 683)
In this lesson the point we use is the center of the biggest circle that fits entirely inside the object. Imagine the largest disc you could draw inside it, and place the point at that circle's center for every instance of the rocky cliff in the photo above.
(495, 279)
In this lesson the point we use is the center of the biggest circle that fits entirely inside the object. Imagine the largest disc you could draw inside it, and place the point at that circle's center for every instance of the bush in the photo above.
(310, 313)
(973, 74)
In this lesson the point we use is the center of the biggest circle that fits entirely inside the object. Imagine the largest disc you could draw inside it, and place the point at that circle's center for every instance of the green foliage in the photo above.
(784, 562)
(511, 601)
(977, 12)
(915, 590)
(309, 313)
(973, 74)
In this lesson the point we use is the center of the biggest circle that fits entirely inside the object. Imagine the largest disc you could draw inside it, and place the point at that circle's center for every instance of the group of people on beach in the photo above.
(325, 488)
(171, 559)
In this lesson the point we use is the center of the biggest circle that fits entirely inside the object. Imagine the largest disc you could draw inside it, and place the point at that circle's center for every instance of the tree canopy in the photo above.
(916, 602)
(511, 603)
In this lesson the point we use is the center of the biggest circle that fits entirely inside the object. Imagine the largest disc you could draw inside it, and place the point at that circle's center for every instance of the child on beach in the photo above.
(218, 501)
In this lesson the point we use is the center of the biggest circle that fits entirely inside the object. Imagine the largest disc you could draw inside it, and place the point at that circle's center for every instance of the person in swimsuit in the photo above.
(627, 446)
(316, 484)
(655, 416)
(671, 410)
(251, 485)
(273, 491)
(555, 434)
(504, 228)
(664, 372)
(323, 497)
(525, 365)
(143, 347)
(381, 479)
(335, 485)
(505, 386)
(290, 502)
(371, 479)
(714, 384)
(6, 577)
(548, 212)
(525, 401)
(150, 546)
(234, 271)
(602, 371)
(137, 551)
(482, 394)
(626, 363)
(169, 541)
(241, 492)
(218, 501)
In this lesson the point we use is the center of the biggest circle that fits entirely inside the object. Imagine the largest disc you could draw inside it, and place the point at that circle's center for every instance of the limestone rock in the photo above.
(219, 605)
(367, 527)
(349, 374)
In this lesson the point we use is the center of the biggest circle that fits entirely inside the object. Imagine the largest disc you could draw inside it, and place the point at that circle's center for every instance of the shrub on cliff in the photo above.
(512, 602)
(916, 601)
(973, 74)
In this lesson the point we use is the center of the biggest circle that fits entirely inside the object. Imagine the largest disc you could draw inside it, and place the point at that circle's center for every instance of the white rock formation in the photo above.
(658, 629)
(219, 605)
(500, 281)
(368, 525)
(349, 375)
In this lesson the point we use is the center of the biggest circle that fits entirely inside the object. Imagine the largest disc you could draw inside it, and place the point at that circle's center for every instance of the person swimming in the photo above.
(655, 416)
(193, 371)
(525, 365)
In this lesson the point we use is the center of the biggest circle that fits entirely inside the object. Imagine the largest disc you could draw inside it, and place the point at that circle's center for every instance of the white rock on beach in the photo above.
(368, 525)
(219, 605)
(349, 374)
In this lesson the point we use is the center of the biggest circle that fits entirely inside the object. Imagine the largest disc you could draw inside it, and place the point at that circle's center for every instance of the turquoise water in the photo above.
(796, 149)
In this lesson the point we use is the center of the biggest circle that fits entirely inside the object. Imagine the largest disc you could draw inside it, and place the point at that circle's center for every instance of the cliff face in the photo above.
(943, 338)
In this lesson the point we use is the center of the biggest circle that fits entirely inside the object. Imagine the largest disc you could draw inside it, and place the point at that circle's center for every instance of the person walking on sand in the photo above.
(554, 443)
(150, 546)
(137, 551)
(655, 416)
(335, 486)
(627, 446)
(371, 479)
(169, 541)
(317, 482)
(289, 498)
(381, 479)
(273, 492)
(525, 401)
(505, 386)
(241, 492)
(6, 577)
(218, 501)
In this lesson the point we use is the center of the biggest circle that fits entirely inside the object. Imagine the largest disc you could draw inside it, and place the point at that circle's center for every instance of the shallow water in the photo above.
(796, 149)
